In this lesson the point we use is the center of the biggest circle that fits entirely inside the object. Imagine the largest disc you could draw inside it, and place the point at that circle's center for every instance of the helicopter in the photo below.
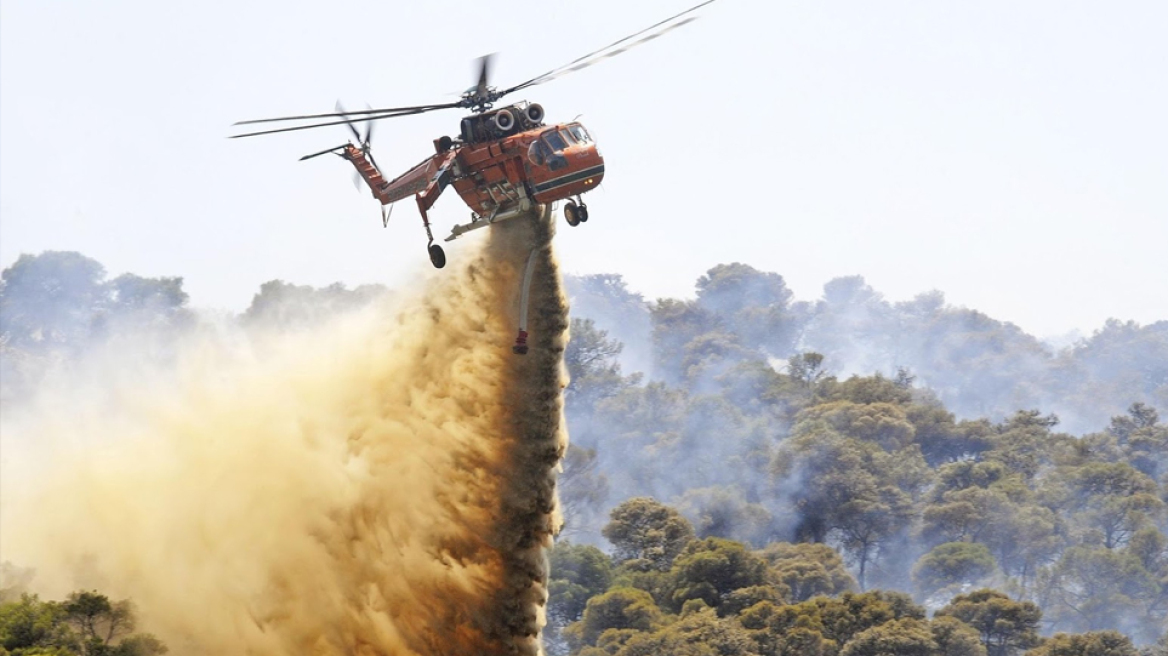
(505, 161)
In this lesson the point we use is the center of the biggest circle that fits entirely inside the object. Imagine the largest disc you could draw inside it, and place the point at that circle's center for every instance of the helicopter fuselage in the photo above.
(505, 163)
(540, 165)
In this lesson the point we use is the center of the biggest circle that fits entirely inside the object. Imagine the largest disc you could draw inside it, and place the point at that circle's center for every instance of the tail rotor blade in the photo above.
(323, 152)
(352, 128)
(368, 132)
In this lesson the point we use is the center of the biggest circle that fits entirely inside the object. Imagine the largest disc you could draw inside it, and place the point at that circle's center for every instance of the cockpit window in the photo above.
(580, 133)
(537, 153)
(554, 140)
(568, 137)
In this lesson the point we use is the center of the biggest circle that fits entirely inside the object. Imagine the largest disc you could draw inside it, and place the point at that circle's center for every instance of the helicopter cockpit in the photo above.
(548, 149)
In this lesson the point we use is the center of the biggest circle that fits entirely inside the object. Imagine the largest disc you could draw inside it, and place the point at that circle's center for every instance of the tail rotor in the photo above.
(363, 141)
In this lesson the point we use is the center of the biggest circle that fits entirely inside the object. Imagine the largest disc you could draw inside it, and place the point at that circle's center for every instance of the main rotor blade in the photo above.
(353, 120)
(484, 75)
(352, 128)
(306, 117)
(611, 50)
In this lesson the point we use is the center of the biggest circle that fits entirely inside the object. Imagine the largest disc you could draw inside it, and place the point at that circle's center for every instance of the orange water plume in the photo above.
(384, 485)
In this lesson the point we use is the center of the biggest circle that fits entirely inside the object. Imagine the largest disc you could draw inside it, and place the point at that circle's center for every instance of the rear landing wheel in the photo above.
(437, 256)
(582, 213)
(572, 214)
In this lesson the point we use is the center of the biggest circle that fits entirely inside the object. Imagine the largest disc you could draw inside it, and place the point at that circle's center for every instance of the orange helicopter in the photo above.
(505, 161)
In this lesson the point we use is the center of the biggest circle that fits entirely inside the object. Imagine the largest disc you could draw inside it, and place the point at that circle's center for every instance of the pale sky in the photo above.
(1011, 154)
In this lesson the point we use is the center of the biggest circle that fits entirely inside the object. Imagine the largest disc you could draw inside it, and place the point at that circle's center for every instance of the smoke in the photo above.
(382, 485)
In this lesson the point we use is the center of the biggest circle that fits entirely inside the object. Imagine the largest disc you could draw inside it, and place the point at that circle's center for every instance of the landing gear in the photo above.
(437, 256)
(572, 213)
(575, 212)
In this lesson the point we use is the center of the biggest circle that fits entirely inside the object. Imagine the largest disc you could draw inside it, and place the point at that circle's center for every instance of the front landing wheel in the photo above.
(437, 256)
(582, 213)
(572, 213)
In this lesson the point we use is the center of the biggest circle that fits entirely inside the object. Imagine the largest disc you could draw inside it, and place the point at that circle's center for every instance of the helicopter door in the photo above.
(558, 145)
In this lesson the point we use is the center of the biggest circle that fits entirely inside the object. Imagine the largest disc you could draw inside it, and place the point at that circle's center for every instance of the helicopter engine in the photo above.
(499, 123)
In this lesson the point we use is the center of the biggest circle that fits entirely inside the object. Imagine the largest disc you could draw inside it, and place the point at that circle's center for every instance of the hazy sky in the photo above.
(1012, 154)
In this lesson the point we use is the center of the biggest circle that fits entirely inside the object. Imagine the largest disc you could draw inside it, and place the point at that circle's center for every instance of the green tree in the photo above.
(952, 563)
(29, 625)
(646, 529)
(1143, 439)
(850, 614)
(906, 637)
(1006, 626)
(808, 569)
(1102, 643)
(85, 624)
(97, 620)
(593, 367)
(577, 573)
(712, 569)
(955, 638)
(699, 632)
(616, 610)
(807, 369)
(1114, 498)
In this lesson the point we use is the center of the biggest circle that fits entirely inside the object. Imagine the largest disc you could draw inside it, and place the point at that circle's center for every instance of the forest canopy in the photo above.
(754, 474)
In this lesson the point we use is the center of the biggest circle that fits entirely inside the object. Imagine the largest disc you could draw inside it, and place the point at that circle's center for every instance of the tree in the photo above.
(866, 523)
(712, 569)
(50, 300)
(952, 563)
(97, 620)
(807, 368)
(881, 423)
(1143, 439)
(1114, 498)
(1095, 588)
(577, 573)
(29, 624)
(149, 297)
(723, 512)
(582, 488)
(606, 299)
(732, 288)
(1006, 626)
(955, 638)
(615, 610)
(284, 305)
(593, 368)
(850, 614)
(1102, 643)
(676, 324)
(699, 632)
(646, 529)
(907, 637)
(808, 570)
(85, 624)
(752, 304)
